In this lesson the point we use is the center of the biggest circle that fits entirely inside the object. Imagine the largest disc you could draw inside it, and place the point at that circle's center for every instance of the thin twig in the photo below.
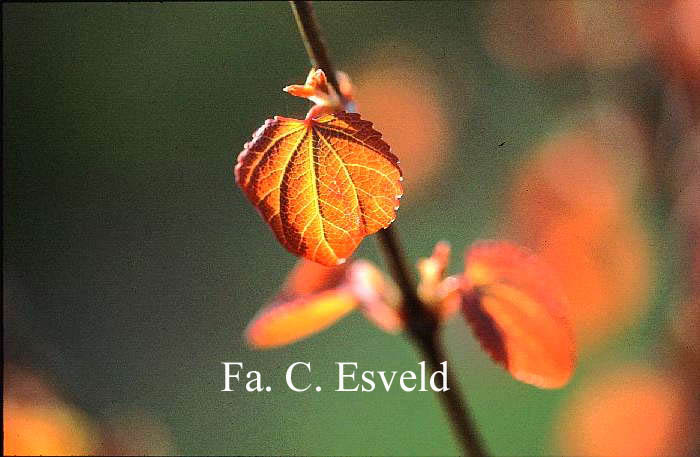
(313, 41)
(421, 324)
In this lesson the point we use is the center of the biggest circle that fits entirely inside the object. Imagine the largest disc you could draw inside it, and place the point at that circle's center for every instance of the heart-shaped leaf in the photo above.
(322, 184)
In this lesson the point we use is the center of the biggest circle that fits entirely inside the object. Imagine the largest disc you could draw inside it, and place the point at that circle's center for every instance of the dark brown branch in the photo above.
(421, 324)
(399, 270)
(423, 327)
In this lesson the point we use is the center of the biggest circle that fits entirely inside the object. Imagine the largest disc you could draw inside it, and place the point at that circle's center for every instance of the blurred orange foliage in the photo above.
(671, 27)
(542, 37)
(605, 272)
(568, 176)
(43, 430)
(632, 411)
(512, 37)
(686, 323)
(573, 205)
(37, 422)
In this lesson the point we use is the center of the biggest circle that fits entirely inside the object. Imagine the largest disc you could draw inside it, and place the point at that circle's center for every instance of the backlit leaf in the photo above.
(314, 297)
(322, 184)
(285, 322)
(517, 311)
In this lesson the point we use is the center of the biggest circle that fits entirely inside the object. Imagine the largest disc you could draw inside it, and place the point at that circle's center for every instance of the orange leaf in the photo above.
(286, 322)
(322, 184)
(517, 312)
(314, 297)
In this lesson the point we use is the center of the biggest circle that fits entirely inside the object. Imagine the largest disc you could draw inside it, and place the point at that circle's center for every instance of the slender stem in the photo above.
(423, 327)
(459, 415)
(421, 324)
(313, 41)
(388, 239)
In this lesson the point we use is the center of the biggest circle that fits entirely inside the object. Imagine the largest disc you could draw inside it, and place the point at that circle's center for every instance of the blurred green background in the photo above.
(132, 262)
